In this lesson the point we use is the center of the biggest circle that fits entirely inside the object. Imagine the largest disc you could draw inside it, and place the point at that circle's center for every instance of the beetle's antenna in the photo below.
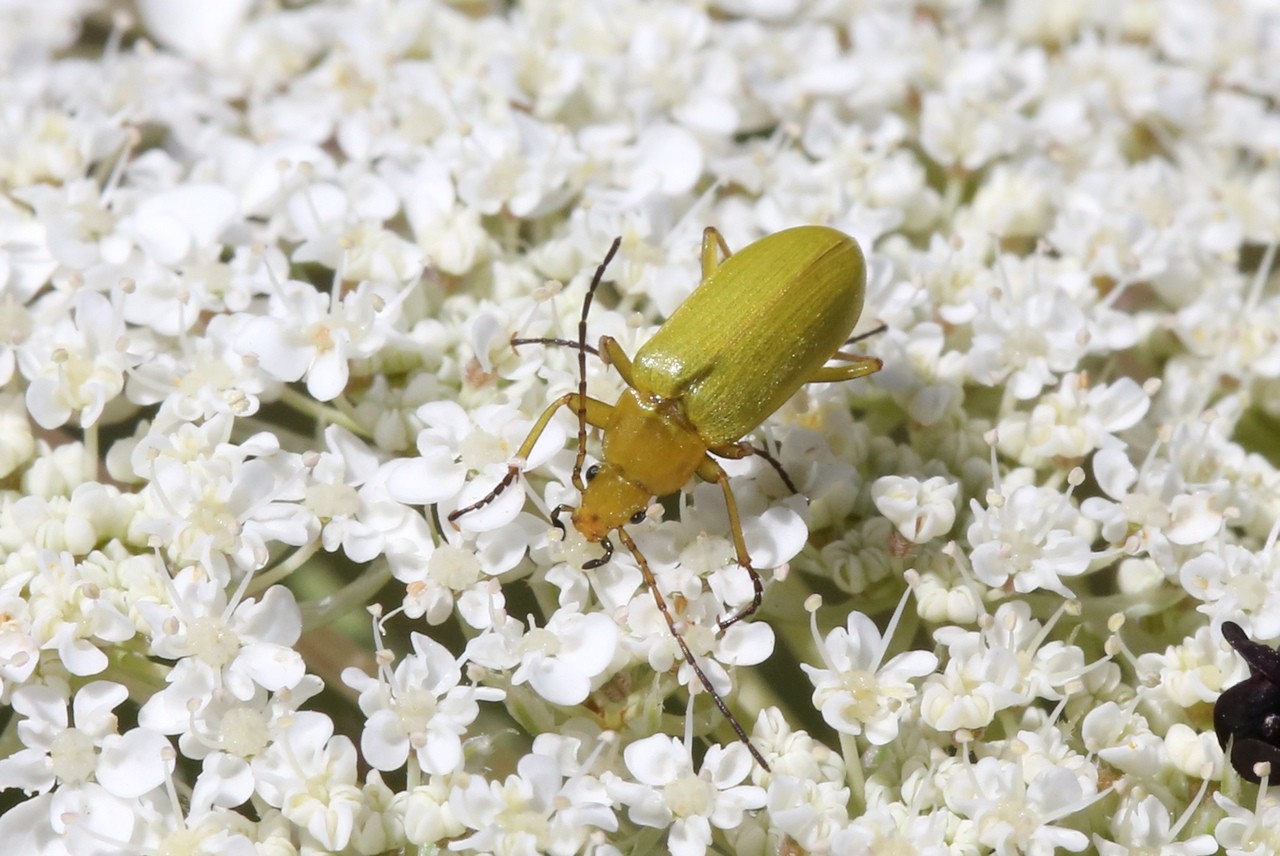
(582, 364)
(545, 340)
(688, 655)
(489, 497)
(583, 350)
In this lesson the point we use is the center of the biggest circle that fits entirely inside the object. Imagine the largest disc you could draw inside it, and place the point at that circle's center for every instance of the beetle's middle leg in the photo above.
(742, 450)
(709, 470)
(595, 413)
(874, 331)
(714, 251)
(609, 352)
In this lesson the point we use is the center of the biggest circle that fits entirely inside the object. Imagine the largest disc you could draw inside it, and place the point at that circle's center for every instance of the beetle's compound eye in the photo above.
(638, 517)
(592, 471)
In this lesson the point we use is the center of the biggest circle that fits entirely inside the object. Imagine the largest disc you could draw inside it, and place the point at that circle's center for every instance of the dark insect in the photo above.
(1250, 711)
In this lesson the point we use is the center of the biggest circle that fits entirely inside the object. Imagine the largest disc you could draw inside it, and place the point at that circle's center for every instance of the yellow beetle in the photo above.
(763, 323)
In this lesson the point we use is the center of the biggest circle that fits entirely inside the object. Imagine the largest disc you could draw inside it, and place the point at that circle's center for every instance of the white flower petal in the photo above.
(133, 763)
(424, 480)
(746, 643)
(1193, 519)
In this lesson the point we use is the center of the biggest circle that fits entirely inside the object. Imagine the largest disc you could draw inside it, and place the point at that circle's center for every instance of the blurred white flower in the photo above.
(1072, 422)
(560, 661)
(308, 333)
(537, 810)
(260, 268)
(69, 752)
(309, 774)
(201, 33)
(420, 707)
(1247, 832)
(76, 365)
(1144, 824)
(1025, 333)
(1123, 739)
(69, 613)
(1013, 814)
(1029, 539)
(920, 510)
(668, 794)
(858, 692)
(1196, 670)
(234, 647)
(221, 504)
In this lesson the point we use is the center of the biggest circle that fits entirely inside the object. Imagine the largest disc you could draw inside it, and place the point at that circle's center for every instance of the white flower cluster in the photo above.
(260, 266)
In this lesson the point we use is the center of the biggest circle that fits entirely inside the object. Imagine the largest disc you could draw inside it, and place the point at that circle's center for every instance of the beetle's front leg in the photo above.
(597, 412)
(711, 471)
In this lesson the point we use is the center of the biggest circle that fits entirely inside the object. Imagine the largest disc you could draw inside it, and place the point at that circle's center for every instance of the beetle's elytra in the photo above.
(763, 323)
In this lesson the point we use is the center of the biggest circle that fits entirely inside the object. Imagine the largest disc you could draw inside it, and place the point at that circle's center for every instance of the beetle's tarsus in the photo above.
(750, 609)
(603, 560)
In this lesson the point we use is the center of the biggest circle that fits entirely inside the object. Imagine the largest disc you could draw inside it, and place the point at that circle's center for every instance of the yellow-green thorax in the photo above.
(650, 449)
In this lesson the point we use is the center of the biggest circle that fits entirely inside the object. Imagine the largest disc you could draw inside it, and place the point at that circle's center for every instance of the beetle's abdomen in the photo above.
(755, 331)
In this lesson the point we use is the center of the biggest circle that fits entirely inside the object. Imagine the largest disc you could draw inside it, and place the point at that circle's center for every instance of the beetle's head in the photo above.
(610, 500)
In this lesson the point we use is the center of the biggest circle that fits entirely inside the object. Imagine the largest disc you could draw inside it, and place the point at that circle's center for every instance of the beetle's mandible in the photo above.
(763, 323)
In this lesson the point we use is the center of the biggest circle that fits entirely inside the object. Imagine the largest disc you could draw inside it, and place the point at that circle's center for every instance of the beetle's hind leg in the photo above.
(855, 366)
(852, 366)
